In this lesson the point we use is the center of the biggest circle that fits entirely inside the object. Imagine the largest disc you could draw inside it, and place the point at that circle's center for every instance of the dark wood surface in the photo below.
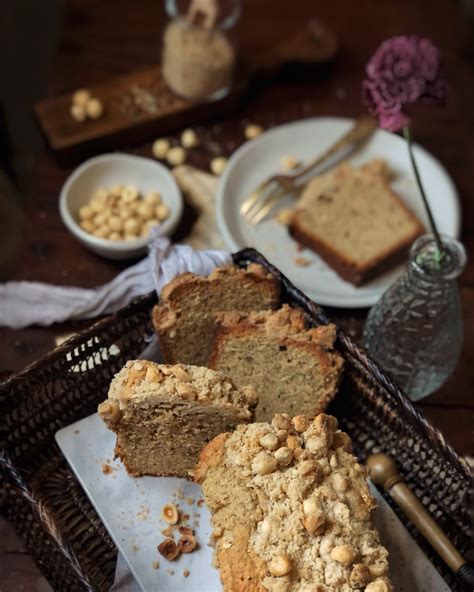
(102, 39)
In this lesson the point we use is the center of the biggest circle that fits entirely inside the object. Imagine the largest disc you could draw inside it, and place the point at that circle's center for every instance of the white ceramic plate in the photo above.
(130, 510)
(260, 158)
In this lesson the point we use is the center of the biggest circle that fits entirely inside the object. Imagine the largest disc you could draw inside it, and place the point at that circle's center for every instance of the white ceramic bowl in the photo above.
(112, 169)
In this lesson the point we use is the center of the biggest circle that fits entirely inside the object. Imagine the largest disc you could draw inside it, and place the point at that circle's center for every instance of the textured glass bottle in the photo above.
(415, 331)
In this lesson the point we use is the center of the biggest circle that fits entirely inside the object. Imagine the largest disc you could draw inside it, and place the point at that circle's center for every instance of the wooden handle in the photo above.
(383, 472)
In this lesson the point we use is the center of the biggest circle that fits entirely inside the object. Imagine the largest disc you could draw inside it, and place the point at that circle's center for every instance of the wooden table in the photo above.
(103, 39)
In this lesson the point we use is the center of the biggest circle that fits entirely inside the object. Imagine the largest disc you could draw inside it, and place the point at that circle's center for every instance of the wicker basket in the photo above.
(50, 511)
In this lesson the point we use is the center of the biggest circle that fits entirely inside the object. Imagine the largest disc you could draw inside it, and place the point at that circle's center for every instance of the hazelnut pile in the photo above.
(122, 213)
(187, 542)
(85, 106)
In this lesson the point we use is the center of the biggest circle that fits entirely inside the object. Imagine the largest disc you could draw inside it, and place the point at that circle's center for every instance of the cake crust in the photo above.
(298, 515)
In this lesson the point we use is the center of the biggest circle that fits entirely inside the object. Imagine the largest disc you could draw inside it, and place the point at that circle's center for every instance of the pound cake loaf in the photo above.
(164, 415)
(355, 222)
(291, 509)
(184, 318)
(293, 369)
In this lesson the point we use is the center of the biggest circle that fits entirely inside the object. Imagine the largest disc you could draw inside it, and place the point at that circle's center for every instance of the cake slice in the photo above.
(291, 509)
(355, 222)
(164, 415)
(184, 318)
(293, 369)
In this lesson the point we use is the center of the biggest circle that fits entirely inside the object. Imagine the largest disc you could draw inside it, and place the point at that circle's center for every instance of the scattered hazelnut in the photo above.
(218, 165)
(284, 456)
(281, 422)
(310, 506)
(252, 131)
(187, 543)
(170, 514)
(160, 148)
(263, 464)
(300, 423)
(189, 139)
(342, 440)
(115, 223)
(314, 523)
(80, 97)
(161, 212)
(153, 198)
(86, 213)
(169, 549)
(176, 155)
(269, 441)
(87, 225)
(292, 442)
(289, 162)
(186, 573)
(280, 565)
(308, 467)
(360, 574)
(78, 113)
(345, 554)
(181, 373)
(129, 194)
(94, 108)
(378, 569)
(131, 226)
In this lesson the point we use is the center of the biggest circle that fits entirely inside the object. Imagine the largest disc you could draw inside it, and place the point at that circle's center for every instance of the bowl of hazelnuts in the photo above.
(114, 204)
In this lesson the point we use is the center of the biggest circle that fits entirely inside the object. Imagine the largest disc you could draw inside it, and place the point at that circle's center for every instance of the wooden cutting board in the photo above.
(161, 111)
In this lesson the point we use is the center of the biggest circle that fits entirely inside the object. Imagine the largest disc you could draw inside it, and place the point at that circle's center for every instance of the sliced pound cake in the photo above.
(293, 369)
(355, 222)
(164, 415)
(291, 509)
(184, 318)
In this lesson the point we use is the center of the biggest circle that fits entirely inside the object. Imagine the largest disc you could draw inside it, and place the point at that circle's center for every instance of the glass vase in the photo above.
(415, 331)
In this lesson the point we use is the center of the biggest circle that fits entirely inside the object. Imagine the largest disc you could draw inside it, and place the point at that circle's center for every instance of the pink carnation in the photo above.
(403, 70)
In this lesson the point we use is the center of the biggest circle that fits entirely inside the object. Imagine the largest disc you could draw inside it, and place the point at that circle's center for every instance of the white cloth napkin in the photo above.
(30, 303)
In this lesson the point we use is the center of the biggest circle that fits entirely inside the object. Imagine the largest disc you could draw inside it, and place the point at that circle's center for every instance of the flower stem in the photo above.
(439, 244)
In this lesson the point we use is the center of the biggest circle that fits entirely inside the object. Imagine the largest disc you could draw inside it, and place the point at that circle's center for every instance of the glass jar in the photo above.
(415, 331)
(199, 50)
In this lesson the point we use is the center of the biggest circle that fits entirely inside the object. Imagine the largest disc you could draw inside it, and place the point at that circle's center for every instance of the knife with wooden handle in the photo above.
(383, 472)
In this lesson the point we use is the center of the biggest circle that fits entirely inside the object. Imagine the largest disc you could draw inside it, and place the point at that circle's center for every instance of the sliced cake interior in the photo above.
(164, 415)
(291, 509)
(354, 220)
(184, 318)
(293, 369)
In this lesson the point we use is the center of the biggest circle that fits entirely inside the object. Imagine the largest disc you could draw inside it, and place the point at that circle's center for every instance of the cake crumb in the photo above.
(302, 261)
(186, 573)
(106, 469)
(184, 517)
(143, 513)
(190, 501)
(135, 548)
(168, 531)
(76, 431)
(200, 502)
(155, 564)
(170, 572)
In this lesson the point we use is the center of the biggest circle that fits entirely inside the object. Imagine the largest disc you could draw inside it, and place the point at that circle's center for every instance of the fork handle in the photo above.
(362, 129)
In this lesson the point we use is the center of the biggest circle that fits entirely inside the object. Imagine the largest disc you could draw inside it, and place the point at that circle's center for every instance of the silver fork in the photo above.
(264, 198)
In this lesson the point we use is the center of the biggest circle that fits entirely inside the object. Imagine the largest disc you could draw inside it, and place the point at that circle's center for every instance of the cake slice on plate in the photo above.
(184, 318)
(291, 509)
(294, 369)
(164, 415)
(354, 220)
